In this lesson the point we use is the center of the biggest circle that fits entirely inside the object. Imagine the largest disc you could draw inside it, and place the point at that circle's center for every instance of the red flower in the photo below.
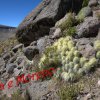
(1, 86)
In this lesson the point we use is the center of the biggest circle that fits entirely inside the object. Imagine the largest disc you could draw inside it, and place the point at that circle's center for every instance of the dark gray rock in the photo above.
(10, 68)
(89, 28)
(15, 49)
(30, 52)
(34, 43)
(6, 57)
(93, 3)
(13, 59)
(52, 30)
(43, 42)
(19, 60)
(38, 23)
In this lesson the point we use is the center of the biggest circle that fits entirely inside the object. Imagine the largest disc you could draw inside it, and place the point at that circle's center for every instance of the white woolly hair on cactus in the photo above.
(71, 65)
(76, 60)
(81, 71)
(55, 44)
(63, 62)
(43, 57)
(70, 70)
(76, 67)
(64, 48)
(76, 53)
(66, 76)
(68, 38)
(61, 39)
(83, 60)
(87, 67)
(93, 62)
(66, 53)
(70, 58)
(62, 53)
(64, 43)
(66, 67)
(70, 44)
(71, 54)
(73, 49)
(67, 60)
(98, 55)
(97, 45)
(63, 57)
(72, 76)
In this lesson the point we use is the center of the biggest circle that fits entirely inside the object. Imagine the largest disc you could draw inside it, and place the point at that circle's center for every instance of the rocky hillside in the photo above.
(40, 20)
(6, 32)
(59, 34)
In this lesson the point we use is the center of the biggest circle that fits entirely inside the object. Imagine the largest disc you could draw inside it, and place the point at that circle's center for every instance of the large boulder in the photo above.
(89, 28)
(39, 21)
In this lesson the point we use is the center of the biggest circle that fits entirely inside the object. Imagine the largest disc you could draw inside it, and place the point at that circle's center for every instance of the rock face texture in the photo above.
(41, 19)
(89, 28)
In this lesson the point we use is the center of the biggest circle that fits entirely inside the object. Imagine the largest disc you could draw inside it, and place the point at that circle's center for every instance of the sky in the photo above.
(12, 12)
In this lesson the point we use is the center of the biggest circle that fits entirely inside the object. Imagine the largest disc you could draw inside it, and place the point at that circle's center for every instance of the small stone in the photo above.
(30, 52)
(15, 49)
(17, 72)
(98, 83)
(19, 60)
(12, 59)
(34, 43)
(6, 56)
(10, 68)
(88, 96)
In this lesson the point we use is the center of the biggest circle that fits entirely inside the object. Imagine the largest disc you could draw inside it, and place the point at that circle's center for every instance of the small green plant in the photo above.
(7, 44)
(69, 91)
(17, 96)
(85, 3)
(81, 15)
(70, 31)
(70, 21)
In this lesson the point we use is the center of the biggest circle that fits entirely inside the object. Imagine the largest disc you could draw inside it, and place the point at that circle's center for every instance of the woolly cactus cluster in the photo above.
(63, 51)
